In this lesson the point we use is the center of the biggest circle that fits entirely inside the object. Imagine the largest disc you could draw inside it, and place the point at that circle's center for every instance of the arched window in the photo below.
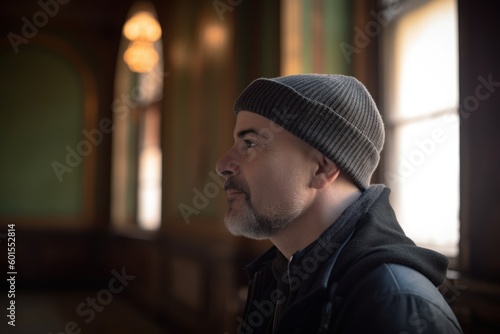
(137, 155)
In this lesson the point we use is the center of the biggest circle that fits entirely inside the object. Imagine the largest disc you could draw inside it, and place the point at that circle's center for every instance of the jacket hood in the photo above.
(378, 239)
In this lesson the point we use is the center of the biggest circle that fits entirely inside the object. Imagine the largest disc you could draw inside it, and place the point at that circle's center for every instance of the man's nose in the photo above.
(227, 165)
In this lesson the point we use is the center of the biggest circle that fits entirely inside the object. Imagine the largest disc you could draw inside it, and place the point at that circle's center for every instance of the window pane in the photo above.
(149, 189)
(149, 182)
(424, 177)
(426, 60)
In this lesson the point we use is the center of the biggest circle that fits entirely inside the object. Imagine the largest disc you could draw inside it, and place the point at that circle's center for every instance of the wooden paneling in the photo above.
(57, 259)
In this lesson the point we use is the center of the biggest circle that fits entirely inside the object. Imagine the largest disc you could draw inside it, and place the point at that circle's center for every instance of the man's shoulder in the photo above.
(397, 298)
(389, 279)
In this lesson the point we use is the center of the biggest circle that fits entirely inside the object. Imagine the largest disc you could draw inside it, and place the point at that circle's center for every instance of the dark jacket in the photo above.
(362, 275)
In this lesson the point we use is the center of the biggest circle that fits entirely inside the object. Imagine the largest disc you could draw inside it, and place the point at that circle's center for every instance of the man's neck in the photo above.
(319, 217)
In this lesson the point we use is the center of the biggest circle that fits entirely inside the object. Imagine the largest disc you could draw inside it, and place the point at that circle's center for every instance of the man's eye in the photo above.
(249, 143)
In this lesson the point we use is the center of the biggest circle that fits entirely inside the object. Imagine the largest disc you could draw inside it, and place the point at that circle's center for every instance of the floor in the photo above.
(63, 313)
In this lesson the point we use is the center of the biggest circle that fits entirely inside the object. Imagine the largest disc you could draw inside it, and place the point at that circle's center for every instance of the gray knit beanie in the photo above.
(333, 113)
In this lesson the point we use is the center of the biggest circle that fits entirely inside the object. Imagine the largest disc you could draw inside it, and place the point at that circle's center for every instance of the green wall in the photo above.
(337, 22)
(338, 27)
(41, 112)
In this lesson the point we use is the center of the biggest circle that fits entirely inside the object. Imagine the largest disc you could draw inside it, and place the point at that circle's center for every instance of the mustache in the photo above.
(231, 183)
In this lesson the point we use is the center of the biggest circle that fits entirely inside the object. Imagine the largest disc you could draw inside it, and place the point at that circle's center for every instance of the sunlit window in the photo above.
(137, 156)
(420, 56)
(149, 172)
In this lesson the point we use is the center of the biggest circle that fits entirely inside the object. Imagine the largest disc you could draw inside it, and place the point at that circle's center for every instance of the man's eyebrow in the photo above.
(243, 133)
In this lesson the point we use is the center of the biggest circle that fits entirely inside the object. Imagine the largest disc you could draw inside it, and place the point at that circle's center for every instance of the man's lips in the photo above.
(233, 192)
(233, 188)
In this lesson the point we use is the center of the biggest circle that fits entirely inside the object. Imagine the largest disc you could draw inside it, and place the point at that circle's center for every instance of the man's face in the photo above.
(268, 172)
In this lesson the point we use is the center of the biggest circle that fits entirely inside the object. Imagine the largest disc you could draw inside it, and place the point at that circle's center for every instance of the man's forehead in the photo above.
(248, 120)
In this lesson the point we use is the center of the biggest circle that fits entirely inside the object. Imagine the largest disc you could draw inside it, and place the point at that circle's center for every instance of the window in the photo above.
(137, 155)
(420, 66)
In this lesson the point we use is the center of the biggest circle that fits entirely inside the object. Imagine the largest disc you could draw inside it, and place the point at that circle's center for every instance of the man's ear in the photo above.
(327, 172)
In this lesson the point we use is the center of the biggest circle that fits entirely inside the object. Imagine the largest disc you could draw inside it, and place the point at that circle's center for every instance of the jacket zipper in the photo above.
(277, 309)
(289, 280)
(276, 315)
(250, 295)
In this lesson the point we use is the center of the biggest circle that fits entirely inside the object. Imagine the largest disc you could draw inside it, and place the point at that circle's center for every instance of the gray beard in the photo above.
(247, 222)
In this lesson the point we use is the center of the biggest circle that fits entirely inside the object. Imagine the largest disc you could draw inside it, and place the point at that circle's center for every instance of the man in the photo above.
(299, 174)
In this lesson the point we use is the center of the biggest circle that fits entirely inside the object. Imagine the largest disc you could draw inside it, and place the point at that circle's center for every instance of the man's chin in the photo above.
(236, 229)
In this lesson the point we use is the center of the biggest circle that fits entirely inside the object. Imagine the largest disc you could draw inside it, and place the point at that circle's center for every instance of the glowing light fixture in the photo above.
(141, 56)
(142, 26)
(142, 29)
(214, 36)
